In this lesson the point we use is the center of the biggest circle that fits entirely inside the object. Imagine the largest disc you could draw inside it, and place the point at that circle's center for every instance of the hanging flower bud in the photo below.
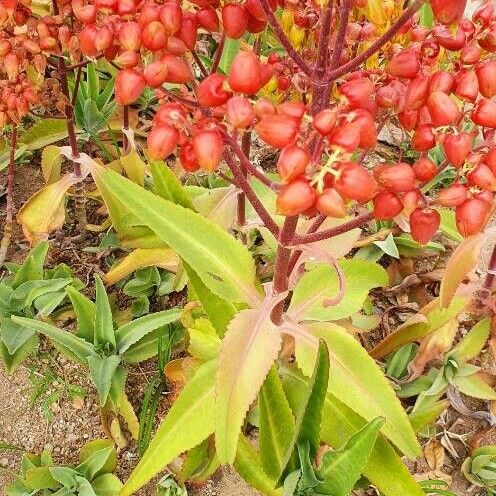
(171, 16)
(212, 91)
(484, 113)
(277, 130)
(239, 112)
(154, 36)
(155, 74)
(457, 147)
(161, 141)
(424, 224)
(448, 11)
(470, 216)
(130, 36)
(129, 84)
(386, 205)
(234, 20)
(295, 198)
(331, 204)
(292, 162)
(245, 74)
(404, 65)
(208, 148)
(443, 110)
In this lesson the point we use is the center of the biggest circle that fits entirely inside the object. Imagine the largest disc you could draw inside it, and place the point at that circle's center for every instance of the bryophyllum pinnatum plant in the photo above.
(270, 344)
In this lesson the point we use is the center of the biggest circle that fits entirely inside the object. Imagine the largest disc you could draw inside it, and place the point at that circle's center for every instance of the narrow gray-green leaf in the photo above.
(85, 311)
(309, 410)
(76, 345)
(104, 327)
(134, 331)
(102, 370)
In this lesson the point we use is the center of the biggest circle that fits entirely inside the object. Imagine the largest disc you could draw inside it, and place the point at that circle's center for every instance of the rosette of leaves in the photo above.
(456, 371)
(94, 105)
(480, 468)
(167, 486)
(104, 348)
(30, 291)
(145, 283)
(91, 477)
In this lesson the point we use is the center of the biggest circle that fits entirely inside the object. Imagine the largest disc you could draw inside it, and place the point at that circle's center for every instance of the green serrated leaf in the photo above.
(277, 425)
(341, 468)
(223, 263)
(167, 185)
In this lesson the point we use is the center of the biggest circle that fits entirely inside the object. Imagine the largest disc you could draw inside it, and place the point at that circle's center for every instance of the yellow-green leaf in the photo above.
(134, 167)
(321, 283)
(462, 261)
(430, 318)
(44, 212)
(249, 348)
(140, 258)
(189, 421)
(51, 161)
(43, 133)
(277, 426)
(224, 265)
(473, 342)
(358, 382)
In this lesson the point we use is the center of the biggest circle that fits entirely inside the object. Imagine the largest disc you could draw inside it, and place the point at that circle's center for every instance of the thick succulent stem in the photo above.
(283, 256)
(9, 210)
(79, 198)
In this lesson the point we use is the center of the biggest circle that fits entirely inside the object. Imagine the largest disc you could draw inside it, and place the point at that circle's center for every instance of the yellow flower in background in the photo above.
(287, 20)
(297, 36)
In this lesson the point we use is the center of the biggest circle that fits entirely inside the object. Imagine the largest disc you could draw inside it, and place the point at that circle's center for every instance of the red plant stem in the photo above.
(186, 101)
(83, 63)
(377, 45)
(76, 85)
(199, 63)
(488, 283)
(319, 220)
(340, 37)
(333, 231)
(283, 254)
(246, 163)
(241, 204)
(79, 198)
(9, 210)
(69, 114)
(276, 27)
(242, 182)
(322, 94)
(321, 65)
(218, 54)
(125, 125)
